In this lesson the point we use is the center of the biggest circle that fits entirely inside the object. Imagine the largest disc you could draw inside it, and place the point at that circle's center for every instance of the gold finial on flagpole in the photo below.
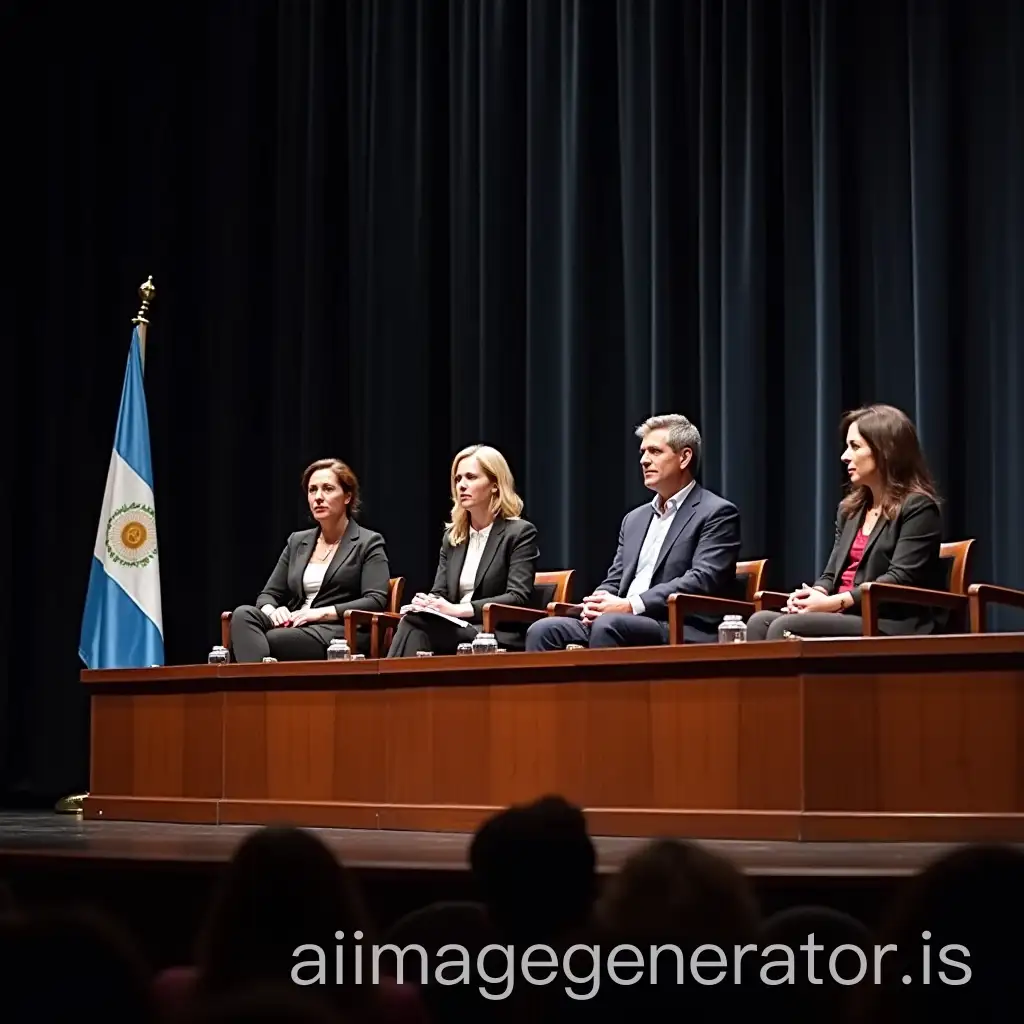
(147, 292)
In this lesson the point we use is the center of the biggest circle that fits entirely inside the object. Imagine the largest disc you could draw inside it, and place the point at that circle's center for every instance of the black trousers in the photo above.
(254, 637)
(418, 632)
(768, 625)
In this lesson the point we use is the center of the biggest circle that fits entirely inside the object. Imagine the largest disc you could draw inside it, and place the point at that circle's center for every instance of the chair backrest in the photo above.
(750, 578)
(958, 554)
(396, 589)
(552, 586)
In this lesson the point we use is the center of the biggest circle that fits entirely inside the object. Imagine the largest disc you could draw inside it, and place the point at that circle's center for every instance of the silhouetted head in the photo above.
(681, 892)
(58, 964)
(955, 933)
(283, 889)
(536, 868)
(815, 990)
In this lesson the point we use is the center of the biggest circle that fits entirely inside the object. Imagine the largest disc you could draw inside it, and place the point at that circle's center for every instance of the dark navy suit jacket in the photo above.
(698, 555)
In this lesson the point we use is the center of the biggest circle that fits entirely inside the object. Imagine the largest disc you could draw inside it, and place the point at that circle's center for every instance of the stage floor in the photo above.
(47, 835)
(158, 879)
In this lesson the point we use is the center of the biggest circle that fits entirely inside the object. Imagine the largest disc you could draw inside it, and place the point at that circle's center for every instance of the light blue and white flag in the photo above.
(122, 626)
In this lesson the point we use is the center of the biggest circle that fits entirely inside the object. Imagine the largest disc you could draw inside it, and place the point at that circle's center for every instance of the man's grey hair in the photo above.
(681, 434)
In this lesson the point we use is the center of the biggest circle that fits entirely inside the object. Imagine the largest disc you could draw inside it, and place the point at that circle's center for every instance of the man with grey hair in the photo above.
(685, 541)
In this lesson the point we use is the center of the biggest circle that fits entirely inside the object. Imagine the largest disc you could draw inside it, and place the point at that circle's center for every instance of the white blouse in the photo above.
(476, 543)
(312, 579)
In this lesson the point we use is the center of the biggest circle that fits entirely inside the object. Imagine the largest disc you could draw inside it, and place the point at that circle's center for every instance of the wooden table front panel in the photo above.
(667, 745)
(157, 745)
(305, 746)
(915, 743)
(896, 738)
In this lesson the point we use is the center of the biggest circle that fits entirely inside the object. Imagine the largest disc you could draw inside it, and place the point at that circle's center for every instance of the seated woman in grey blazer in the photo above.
(322, 572)
(488, 554)
(888, 530)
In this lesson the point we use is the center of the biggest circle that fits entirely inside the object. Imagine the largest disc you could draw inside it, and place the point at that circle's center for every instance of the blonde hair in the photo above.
(506, 504)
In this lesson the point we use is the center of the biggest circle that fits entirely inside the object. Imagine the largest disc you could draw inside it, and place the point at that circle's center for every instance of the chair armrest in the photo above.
(380, 622)
(495, 613)
(572, 611)
(981, 595)
(354, 618)
(225, 629)
(681, 605)
(873, 595)
(770, 600)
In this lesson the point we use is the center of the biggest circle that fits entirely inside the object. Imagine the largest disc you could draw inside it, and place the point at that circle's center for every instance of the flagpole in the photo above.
(147, 292)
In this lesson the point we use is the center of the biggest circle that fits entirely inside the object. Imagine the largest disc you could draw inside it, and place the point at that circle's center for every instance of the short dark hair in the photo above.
(347, 480)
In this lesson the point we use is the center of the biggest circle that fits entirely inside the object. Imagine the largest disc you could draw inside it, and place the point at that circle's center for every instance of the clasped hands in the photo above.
(810, 599)
(282, 616)
(601, 603)
(422, 602)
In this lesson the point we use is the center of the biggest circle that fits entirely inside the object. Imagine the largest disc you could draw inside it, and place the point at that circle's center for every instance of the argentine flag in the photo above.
(122, 626)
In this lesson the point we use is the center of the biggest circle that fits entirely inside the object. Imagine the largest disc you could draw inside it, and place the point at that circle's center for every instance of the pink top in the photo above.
(860, 542)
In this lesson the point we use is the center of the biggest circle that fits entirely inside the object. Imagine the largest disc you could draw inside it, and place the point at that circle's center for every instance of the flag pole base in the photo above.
(70, 804)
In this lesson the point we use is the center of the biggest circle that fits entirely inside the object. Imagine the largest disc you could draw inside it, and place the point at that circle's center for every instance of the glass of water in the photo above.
(733, 630)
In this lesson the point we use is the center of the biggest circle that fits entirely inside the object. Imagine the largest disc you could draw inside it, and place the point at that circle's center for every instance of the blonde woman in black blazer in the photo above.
(888, 530)
(488, 553)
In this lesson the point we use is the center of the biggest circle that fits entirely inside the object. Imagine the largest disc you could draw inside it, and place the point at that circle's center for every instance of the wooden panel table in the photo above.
(865, 739)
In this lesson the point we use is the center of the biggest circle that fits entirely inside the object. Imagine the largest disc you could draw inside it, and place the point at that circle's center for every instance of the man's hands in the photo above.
(602, 603)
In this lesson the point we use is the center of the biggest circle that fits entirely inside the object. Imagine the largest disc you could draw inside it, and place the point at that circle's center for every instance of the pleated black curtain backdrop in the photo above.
(384, 230)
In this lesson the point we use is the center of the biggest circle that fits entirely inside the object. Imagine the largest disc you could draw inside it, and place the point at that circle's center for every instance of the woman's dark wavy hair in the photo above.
(893, 440)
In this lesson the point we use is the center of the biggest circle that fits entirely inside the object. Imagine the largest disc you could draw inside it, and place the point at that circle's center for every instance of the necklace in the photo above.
(327, 552)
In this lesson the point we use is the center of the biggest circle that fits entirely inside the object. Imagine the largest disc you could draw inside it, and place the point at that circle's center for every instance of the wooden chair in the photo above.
(548, 586)
(749, 580)
(874, 595)
(981, 595)
(353, 619)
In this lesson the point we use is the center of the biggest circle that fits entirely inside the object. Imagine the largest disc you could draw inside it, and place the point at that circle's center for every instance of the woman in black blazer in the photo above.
(321, 573)
(888, 530)
(488, 554)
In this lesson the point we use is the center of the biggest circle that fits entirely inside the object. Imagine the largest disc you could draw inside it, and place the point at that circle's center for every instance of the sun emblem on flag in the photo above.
(131, 535)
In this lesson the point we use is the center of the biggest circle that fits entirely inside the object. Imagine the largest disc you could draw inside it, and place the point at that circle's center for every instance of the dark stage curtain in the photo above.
(384, 230)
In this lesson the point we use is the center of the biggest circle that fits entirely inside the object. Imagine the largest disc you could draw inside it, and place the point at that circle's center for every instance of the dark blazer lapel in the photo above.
(456, 560)
(487, 556)
(344, 551)
(303, 553)
(846, 542)
(682, 517)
